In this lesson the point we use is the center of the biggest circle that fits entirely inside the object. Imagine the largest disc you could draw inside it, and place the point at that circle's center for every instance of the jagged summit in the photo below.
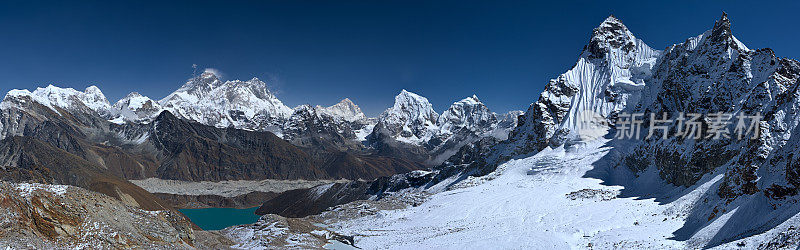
(412, 121)
(718, 39)
(722, 29)
(610, 34)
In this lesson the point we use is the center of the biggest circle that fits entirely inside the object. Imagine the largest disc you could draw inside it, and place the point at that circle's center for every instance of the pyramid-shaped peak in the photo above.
(611, 34)
(409, 98)
(611, 25)
(346, 101)
(611, 19)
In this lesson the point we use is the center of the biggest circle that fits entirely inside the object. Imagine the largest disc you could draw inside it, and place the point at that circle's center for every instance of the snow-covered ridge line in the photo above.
(413, 120)
(65, 98)
(250, 105)
(205, 99)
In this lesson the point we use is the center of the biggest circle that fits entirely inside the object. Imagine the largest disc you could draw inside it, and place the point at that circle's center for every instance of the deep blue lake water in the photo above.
(219, 218)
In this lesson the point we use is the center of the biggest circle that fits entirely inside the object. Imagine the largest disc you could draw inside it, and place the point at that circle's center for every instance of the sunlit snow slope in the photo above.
(544, 201)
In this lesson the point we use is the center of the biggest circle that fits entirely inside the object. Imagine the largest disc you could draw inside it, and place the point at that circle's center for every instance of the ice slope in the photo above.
(541, 201)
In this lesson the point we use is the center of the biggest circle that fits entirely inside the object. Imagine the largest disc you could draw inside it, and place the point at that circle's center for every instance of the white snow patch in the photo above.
(26, 189)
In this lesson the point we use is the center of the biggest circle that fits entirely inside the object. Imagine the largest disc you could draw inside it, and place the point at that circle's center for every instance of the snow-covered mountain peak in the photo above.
(411, 119)
(470, 100)
(406, 97)
(345, 110)
(409, 106)
(237, 89)
(95, 99)
(468, 113)
(94, 91)
(241, 104)
(609, 74)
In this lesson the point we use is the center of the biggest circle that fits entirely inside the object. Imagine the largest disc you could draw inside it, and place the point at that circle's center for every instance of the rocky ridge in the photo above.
(68, 217)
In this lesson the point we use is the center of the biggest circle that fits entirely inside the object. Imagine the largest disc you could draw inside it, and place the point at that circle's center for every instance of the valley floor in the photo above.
(225, 188)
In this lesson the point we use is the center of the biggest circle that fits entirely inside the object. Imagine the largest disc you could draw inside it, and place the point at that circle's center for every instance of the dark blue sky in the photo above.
(319, 52)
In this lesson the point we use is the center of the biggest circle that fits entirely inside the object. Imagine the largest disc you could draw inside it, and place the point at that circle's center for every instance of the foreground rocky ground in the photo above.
(43, 216)
(40, 216)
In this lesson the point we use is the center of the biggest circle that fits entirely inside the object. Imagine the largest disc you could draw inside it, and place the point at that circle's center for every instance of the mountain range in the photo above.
(214, 130)
(466, 177)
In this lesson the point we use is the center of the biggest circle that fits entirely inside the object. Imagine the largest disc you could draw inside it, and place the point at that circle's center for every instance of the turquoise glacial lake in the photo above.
(219, 218)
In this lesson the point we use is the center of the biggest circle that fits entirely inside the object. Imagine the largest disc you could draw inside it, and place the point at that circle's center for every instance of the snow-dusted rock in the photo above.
(412, 124)
(470, 114)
